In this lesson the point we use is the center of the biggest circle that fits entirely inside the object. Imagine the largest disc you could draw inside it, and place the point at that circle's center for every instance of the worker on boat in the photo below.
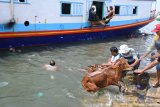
(110, 15)
(93, 17)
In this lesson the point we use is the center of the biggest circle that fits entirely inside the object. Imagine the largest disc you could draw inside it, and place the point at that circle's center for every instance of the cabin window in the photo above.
(135, 10)
(132, 10)
(117, 9)
(126, 10)
(21, 0)
(66, 8)
(74, 9)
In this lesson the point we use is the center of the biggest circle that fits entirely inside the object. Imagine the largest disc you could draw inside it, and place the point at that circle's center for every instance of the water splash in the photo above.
(40, 94)
(109, 100)
(69, 94)
(52, 77)
(70, 69)
(3, 84)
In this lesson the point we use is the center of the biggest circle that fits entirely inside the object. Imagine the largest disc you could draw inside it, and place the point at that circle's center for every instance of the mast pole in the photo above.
(12, 9)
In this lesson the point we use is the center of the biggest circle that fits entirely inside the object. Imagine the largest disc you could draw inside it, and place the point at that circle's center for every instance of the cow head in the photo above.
(92, 68)
(121, 64)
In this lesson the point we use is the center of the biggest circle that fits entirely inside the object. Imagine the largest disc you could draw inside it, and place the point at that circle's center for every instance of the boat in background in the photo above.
(30, 22)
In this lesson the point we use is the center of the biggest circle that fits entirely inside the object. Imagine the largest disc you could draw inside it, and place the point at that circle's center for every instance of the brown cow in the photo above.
(101, 78)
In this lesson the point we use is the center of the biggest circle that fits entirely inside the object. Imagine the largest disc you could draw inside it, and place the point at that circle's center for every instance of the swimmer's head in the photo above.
(52, 63)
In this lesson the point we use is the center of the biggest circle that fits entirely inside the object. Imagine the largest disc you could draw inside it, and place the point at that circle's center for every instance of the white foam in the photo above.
(70, 95)
(109, 103)
(52, 77)
(3, 84)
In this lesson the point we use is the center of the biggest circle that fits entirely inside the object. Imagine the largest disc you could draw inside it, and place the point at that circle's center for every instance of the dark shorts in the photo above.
(136, 66)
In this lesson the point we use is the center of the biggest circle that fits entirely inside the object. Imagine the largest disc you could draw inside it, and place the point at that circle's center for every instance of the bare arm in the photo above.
(149, 49)
(135, 62)
(151, 65)
(156, 55)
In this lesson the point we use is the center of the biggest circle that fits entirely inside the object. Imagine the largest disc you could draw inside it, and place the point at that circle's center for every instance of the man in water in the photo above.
(51, 66)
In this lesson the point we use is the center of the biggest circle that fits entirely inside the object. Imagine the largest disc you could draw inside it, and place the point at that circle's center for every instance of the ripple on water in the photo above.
(104, 100)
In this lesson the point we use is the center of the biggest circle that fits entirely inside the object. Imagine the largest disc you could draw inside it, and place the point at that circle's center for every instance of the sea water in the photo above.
(25, 83)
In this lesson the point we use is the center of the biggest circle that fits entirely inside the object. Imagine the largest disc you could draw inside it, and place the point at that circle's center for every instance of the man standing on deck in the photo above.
(110, 15)
(93, 17)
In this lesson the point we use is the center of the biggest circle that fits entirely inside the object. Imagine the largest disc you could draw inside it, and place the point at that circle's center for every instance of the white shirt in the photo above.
(114, 58)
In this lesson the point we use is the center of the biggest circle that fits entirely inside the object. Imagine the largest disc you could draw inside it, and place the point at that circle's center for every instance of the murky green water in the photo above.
(24, 82)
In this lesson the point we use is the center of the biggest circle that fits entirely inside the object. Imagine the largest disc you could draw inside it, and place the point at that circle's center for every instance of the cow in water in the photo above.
(99, 77)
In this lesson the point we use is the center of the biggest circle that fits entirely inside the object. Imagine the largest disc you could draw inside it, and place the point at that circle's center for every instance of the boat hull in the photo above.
(24, 39)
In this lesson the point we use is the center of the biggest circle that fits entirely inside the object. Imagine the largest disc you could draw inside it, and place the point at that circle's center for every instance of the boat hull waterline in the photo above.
(25, 39)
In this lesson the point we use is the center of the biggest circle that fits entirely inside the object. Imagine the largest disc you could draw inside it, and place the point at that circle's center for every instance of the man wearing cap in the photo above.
(93, 17)
(130, 55)
(154, 45)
